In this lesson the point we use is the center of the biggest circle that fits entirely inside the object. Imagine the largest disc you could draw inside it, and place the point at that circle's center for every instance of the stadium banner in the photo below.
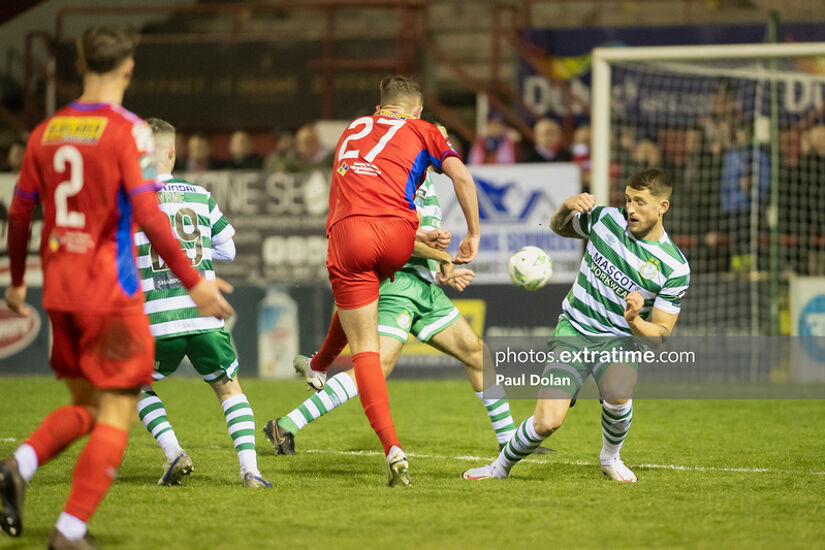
(808, 322)
(515, 204)
(214, 85)
(279, 222)
(568, 59)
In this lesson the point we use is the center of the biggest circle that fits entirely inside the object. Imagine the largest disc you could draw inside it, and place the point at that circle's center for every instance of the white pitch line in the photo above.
(8, 439)
(577, 463)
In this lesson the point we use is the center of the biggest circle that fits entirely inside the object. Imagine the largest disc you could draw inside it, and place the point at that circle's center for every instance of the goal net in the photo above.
(741, 132)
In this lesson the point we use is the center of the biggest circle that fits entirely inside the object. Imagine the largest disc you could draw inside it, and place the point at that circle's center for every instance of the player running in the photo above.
(630, 284)
(411, 302)
(380, 162)
(92, 166)
(178, 329)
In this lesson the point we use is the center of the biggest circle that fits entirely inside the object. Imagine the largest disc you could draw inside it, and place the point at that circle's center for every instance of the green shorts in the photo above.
(570, 376)
(410, 304)
(210, 352)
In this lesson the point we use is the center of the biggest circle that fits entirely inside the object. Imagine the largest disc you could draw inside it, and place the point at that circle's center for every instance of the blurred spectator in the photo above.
(241, 153)
(808, 201)
(309, 151)
(181, 152)
(646, 154)
(743, 167)
(580, 150)
(14, 159)
(284, 152)
(200, 154)
(548, 143)
(496, 146)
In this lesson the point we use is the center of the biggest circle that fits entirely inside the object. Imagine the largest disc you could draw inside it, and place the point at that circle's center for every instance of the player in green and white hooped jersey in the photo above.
(630, 285)
(205, 235)
(412, 303)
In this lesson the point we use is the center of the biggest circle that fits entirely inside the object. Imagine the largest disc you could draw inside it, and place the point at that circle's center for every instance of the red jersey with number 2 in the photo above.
(380, 162)
(83, 163)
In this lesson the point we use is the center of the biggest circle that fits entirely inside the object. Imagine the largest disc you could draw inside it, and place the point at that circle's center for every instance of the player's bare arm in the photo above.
(655, 331)
(16, 298)
(465, 191)
(461, 278)
(562, 221)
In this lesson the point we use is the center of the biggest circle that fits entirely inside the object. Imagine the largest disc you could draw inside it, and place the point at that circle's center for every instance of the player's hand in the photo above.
(211, 303)
(467, 250)
(462, 277)
(446, 272)
(580, 203)
(16, 298)
(633, 305)
(437, 238)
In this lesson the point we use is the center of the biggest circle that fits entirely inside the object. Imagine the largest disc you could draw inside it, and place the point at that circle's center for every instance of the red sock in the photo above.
(333, 345)
(372, 390)
(58, 430)
(95, 470)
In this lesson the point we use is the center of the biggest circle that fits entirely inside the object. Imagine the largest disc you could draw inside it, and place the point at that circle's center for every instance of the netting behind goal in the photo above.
(744, 143)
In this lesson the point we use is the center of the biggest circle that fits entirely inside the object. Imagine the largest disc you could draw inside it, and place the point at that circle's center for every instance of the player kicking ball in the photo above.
(177, 327)
(380, 162)
(411, 302)
(630, 288)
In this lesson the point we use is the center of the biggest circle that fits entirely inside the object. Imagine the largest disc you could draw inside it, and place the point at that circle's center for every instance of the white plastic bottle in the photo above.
(277, 334)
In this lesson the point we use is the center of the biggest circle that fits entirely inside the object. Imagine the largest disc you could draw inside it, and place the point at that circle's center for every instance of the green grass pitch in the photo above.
(712, 474)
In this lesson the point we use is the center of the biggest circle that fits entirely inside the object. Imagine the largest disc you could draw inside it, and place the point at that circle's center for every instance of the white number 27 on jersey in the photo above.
(68, 154)
(367, 121)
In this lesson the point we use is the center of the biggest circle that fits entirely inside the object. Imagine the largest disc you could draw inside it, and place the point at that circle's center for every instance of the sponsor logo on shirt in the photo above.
(611, 276)
(86, 130)
(365, 168)
(343, 169)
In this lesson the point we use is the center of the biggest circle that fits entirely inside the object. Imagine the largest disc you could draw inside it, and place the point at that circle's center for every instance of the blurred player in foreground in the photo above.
(178, 329)
(380, 162)
(411, 302)
(630, 288)
(92, 166)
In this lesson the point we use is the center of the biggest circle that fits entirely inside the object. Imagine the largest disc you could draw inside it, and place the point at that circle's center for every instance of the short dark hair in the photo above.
(657, 181)
(398, 88)
(160, 126)
(433, 118)
(101, 49)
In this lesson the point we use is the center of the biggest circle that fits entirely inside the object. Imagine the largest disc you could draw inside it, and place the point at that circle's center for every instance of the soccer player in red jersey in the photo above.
(92, 167)
(379, 163)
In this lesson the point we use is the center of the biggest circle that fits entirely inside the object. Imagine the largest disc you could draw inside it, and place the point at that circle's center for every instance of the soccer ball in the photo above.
(530, 268)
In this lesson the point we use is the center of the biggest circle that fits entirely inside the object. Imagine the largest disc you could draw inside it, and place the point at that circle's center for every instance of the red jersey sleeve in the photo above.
(20, 214)
(137, 164)
(437, 145)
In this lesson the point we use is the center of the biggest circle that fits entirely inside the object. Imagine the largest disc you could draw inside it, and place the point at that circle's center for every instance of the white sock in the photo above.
(615, 425)
(26, 461)
(521, 445)
(71, 527)
(498, 410)
(240, 422)
(168, 441)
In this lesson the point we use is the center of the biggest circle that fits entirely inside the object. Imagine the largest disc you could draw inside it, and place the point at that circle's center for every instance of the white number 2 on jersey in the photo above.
(68, 154)
(394, 124)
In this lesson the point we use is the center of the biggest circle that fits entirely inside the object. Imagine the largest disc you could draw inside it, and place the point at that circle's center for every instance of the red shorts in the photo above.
(364, 251)
(110, 350)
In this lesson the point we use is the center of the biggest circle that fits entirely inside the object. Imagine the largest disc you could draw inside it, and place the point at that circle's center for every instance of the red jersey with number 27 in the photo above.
(87, 164)
(379, 163)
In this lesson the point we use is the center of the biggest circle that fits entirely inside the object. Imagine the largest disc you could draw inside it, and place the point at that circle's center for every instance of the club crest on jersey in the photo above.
(649, 269)
(343, 169)
(404, 320)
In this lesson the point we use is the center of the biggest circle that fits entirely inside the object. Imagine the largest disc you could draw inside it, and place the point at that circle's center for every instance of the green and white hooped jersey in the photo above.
(426, 201)
(616, 263)
(199, 225)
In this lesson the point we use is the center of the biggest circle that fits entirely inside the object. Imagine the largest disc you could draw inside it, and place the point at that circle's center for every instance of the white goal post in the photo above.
(603, 57)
